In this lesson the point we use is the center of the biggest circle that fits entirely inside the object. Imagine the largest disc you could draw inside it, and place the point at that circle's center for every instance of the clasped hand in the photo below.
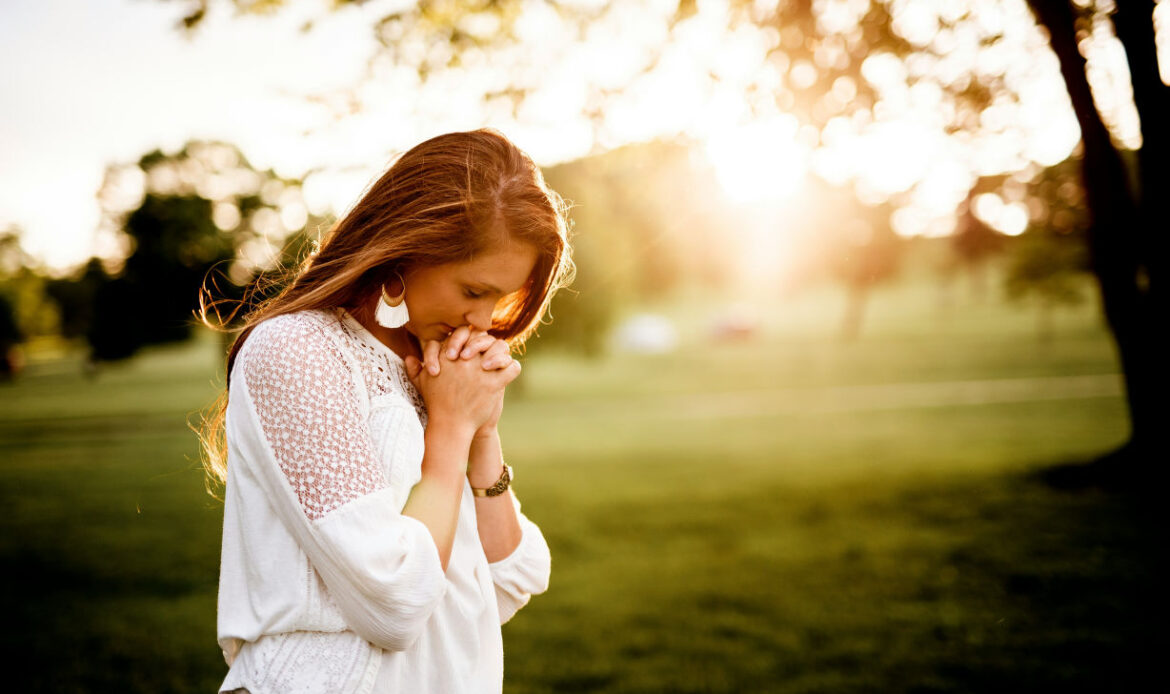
(463, 378)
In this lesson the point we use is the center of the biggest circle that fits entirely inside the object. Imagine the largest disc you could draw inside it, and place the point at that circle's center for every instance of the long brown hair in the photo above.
(445, 200)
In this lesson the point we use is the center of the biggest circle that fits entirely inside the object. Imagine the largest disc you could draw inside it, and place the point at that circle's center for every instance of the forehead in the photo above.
(504, 267)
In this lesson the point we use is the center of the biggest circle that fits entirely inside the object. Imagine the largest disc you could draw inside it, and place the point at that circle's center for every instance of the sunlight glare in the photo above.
(894, 155)
(759, 161)
(1008, 218)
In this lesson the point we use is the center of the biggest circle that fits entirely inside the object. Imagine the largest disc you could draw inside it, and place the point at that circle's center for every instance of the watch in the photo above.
(499, 487)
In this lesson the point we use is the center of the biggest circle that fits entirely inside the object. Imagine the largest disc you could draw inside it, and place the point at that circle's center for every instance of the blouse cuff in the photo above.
(526, 570)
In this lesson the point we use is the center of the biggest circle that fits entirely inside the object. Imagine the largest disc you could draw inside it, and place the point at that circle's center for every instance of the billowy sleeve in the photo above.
(524, 572)
(297, 422)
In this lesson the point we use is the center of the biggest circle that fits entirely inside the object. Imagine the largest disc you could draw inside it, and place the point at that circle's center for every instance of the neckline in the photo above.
(368, 337)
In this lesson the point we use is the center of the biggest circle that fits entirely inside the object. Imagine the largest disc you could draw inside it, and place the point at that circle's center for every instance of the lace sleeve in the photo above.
(305, 397)
(296, 426)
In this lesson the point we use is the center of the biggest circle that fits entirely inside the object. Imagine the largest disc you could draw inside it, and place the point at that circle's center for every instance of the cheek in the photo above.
(439, 303)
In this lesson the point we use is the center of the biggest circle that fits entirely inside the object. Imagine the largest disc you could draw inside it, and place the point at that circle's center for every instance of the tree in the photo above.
(24, 309)
(202, 214)
(10, 336)
(1049, 262)
(74, 297)
(1126, 238)
(1048, 267)
(643, 226)
(865, 252)
(974, 242)
(839, 237)
(821, 50)
(23, 283)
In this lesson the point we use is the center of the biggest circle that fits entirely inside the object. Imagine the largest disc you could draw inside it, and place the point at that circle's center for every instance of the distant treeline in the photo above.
(648, 219)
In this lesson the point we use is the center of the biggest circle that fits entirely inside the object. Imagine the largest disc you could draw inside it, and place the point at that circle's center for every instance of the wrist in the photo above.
(446, 444)
(485, 475)
(450, 430)
(488, 433)
(485, 460)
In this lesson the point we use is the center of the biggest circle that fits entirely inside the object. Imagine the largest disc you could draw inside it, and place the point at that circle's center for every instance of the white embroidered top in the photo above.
(324, 585)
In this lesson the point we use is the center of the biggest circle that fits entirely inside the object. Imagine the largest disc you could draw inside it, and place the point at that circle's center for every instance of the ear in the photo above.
(393, 280)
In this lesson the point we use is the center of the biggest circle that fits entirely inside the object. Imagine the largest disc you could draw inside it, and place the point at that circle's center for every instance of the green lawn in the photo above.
(787, 514)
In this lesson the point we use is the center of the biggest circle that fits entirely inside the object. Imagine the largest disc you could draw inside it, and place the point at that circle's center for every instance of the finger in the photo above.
(511, 371)
(455, 342)
(497, 356)
(413, 367)
(431, 356)
(478, 343)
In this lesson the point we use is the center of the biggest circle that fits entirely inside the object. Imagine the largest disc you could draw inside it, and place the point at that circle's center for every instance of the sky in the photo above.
(93, 82)
(90, 83)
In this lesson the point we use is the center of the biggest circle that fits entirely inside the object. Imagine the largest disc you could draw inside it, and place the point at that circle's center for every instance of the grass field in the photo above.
(785, 514)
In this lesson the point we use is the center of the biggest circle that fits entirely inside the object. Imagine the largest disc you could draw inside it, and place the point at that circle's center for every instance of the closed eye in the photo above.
(471, 294)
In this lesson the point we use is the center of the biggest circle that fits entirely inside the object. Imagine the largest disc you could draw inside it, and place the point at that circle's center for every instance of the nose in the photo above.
(481, 317)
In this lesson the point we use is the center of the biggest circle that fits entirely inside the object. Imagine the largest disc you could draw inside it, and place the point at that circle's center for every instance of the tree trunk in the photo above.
(855, 300)
(1116, 231)
(977, 272)
(1134, 23)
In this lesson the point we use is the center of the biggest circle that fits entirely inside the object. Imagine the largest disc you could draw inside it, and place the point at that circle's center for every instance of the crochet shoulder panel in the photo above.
(382, 370)
(301, 382)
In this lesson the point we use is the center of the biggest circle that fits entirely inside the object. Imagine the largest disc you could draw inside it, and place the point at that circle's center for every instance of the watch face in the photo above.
(501, 484)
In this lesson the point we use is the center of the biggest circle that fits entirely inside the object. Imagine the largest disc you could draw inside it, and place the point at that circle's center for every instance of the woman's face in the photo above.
(440, 298)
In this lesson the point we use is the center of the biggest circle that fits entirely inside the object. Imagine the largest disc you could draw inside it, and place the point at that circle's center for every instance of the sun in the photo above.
(761, 161)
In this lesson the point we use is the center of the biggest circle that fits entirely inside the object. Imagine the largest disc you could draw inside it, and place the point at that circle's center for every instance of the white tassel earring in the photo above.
(391, 312)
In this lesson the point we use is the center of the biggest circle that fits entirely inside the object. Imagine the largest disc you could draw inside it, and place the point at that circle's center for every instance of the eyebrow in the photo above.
(488, 287)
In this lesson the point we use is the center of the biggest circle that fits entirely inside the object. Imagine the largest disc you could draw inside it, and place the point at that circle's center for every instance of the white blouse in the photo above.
(324, 585)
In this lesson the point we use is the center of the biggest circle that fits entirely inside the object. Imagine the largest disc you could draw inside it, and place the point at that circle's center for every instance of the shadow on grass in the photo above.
(982, 583)
(95, 629)
(1077, 567)
(1127, 469)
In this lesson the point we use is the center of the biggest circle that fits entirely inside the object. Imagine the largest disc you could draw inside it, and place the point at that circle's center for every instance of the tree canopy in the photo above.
(867, 86)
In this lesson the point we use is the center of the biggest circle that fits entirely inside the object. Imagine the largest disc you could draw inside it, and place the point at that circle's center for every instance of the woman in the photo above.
(371, 540)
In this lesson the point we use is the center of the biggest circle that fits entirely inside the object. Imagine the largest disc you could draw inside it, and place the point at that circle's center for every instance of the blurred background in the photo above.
(854, 390)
